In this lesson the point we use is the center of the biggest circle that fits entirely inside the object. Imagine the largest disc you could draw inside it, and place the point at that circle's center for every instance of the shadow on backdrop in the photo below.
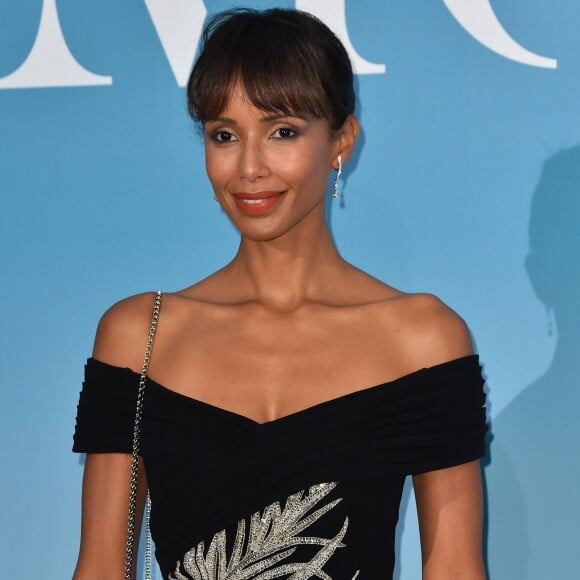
(532, 478)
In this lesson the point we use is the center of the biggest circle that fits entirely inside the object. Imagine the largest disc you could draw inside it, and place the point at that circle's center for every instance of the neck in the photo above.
(288, 271)
(566, 355)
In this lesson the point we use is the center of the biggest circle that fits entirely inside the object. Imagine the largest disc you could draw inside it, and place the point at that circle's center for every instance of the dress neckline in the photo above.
(328, 403)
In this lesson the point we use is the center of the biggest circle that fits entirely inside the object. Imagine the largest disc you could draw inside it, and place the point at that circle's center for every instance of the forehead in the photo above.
(238, 98)
(239, 104)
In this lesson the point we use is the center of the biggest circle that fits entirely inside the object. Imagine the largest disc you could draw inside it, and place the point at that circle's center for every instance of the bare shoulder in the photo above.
(430, 332)
(122, 331)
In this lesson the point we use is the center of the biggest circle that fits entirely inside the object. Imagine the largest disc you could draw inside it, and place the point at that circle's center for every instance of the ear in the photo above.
(346, 139)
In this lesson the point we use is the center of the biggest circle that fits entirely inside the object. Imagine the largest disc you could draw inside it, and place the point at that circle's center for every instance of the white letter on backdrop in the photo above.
(333, 14)
(50, 62)
(478, 18)
(178, 24)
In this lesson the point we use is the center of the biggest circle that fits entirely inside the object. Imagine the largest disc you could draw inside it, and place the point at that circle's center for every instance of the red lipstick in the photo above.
(257, 203)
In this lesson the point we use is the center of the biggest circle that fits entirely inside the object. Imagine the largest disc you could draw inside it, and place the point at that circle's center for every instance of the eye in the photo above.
(222, 136)
(285, 133)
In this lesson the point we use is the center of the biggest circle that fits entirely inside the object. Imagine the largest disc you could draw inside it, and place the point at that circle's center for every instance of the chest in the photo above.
(265, 365)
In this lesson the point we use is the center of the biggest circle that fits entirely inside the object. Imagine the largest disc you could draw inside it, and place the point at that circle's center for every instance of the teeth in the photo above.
(253, 201)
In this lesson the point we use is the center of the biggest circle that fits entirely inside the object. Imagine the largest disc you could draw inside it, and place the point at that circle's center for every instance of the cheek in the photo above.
(215, 167)
(209, 169)
(310, 165)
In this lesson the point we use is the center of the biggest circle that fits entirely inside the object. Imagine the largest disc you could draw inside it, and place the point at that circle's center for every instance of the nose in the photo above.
(252, 163)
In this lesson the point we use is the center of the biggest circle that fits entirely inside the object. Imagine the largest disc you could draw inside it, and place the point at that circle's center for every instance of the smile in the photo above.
(252, 201)
(257, 203)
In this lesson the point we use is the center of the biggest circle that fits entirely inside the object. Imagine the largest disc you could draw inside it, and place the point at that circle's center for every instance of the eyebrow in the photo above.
(223, 120)
(267, 119)
(276, 116)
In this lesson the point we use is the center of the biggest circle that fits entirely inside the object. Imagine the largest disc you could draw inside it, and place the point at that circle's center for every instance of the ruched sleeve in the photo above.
(449, 417)
(429, 419)
(106, 409)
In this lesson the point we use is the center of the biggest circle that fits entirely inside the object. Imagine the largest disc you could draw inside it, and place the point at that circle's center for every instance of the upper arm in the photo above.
(449, 506)
(449, 500)
(120, 341)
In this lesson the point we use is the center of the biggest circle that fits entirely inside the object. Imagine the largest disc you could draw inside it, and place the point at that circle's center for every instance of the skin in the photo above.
(268, 334)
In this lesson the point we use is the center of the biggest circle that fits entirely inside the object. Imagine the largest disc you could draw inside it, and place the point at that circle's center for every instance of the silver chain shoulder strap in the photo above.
(129, 549)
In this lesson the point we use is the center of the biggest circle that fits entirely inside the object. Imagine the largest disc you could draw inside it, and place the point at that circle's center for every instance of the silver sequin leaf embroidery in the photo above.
(272, 537)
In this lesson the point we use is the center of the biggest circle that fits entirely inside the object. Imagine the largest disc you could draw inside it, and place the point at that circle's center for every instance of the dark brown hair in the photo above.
(287, 61)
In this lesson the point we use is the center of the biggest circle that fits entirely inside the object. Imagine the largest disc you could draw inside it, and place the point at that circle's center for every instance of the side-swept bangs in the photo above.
(286, 61)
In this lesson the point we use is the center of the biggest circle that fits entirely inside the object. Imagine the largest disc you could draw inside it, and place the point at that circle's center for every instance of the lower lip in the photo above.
(257, 207)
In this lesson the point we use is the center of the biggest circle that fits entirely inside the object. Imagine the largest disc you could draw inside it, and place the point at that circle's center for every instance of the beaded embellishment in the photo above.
(272, 537)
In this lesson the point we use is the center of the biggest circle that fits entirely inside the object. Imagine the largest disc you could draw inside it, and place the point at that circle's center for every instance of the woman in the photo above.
(289, 393)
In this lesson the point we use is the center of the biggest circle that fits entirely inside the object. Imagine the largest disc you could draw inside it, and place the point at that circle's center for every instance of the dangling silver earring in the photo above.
(550, 313)
(335, 192)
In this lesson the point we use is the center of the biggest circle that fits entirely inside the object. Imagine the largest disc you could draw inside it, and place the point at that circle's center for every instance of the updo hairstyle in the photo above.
(286, 61)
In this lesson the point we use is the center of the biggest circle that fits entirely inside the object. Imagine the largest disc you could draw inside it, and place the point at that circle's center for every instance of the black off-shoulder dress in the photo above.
(314, 494)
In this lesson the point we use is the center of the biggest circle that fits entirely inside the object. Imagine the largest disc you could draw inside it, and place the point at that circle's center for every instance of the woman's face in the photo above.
(269, 172)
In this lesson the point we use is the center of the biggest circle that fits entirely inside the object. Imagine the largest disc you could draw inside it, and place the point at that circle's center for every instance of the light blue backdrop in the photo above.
(466, 184)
